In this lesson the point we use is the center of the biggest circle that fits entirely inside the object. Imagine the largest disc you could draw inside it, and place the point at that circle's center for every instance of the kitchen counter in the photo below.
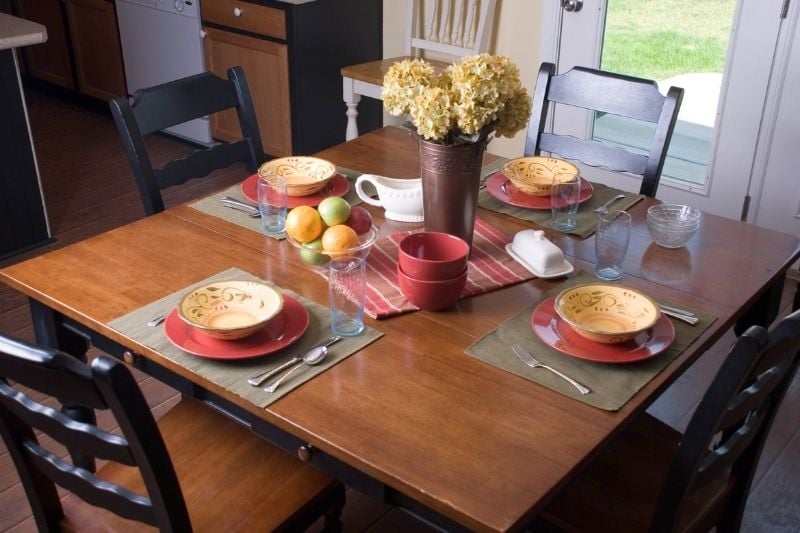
(16, 32)
(23, 219)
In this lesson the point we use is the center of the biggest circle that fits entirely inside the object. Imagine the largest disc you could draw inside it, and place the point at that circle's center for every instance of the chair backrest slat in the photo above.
(605, 92)
(201, 94)
(617, 94)
(91, 488)
(173, 103)
(111, 387)
(70, 433)
(454, 27)
(593, 153)
(200, 162)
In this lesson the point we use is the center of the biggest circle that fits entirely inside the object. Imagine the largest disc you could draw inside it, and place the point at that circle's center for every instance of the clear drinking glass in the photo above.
(272, 203)
(347, 287)
(611, 243)
(564, 200)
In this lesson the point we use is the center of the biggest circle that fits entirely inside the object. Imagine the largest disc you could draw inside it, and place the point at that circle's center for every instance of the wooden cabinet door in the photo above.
(49, 61)
(95, 43)
(266, 67)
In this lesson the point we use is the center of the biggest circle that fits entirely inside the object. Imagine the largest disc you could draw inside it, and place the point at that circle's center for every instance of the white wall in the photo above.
(515, 35)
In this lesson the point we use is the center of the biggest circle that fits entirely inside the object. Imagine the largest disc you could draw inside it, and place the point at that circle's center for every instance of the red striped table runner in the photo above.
(489, 268)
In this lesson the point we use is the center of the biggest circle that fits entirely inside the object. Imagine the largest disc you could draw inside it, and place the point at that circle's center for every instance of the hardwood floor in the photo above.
(89, 189)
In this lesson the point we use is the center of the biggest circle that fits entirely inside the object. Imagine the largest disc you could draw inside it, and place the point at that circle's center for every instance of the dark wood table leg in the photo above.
(50, 331)
(764, 311)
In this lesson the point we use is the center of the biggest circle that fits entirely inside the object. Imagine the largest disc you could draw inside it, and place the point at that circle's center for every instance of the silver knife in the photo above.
(228, 200)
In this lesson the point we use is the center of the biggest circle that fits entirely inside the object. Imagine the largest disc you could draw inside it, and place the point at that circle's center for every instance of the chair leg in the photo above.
(351, 100)
(333, 516)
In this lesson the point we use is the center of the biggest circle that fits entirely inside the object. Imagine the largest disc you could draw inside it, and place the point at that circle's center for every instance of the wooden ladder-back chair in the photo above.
(175, 102)
(606, 92)
(194, 469)
(652, 478)
(453, 27)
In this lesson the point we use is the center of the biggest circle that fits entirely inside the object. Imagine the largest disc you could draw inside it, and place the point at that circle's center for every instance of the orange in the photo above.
(339, 237)
(304, 224)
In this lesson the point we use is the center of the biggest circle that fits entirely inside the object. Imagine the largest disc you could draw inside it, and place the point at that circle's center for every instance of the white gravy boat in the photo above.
(401, 198)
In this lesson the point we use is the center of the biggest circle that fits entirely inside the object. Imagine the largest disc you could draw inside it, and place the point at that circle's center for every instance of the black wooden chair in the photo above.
(173, 103)
(609, 93)
(194, 469)
(653, 478)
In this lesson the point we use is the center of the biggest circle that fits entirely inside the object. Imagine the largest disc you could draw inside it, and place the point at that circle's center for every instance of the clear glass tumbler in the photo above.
(564, 200)
(272, 203)
(347, 285)
(611, 243)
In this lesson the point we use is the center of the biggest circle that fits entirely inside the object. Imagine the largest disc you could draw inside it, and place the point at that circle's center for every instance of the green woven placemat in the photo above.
(612, 385)
(212, 204)
(232, 375)
(586, 218)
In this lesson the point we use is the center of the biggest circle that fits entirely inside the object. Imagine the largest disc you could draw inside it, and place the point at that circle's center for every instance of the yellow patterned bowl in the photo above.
(230, 309)
(606, 313)
(304, 175)
(534, 175)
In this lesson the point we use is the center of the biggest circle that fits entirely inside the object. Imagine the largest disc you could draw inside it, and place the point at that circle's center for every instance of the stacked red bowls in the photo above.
(432, 269)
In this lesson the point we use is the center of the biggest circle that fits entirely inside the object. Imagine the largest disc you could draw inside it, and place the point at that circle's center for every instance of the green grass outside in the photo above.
(657, 39)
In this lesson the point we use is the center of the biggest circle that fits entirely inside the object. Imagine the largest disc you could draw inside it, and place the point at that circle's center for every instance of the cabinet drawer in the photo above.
(263, 20)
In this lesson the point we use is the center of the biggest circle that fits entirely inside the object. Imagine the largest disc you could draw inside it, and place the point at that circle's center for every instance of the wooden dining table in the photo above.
(410, 419)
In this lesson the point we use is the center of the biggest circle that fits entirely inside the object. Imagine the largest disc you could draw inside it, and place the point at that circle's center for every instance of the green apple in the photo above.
(334, 210)
(310, 256)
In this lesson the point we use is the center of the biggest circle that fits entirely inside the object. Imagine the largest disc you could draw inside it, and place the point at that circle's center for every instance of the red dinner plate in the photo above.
(549, 327)
(501, 188)
(338, 186)
(279, 333)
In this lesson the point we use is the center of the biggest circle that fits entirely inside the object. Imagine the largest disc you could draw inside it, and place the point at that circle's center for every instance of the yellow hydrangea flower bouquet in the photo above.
(465, 103)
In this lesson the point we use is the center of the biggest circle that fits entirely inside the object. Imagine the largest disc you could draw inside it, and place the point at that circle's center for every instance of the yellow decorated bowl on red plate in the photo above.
(230, 310)
(304, 175)
(535, 175)
(606, 313)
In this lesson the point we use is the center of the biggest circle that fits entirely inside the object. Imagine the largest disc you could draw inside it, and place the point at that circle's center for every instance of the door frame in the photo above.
(734, 147)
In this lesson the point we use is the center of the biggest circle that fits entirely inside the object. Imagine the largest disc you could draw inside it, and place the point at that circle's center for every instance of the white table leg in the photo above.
(351, 100)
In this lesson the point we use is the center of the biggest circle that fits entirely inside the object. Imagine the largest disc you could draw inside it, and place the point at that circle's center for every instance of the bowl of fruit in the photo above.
(332, 230)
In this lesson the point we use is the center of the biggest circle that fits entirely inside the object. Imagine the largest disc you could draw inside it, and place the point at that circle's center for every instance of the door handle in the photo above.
(572, 5)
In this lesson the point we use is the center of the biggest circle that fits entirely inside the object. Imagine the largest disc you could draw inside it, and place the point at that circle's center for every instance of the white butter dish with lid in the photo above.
(535, 252)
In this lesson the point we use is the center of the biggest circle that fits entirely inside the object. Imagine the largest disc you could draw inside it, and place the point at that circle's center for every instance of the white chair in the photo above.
(453, 27)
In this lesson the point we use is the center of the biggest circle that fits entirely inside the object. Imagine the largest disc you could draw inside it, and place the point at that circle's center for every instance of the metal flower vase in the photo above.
(451, 176)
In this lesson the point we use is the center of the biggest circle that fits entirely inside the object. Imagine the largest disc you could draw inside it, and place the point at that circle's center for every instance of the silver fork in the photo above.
(532, 362)
(158, 320)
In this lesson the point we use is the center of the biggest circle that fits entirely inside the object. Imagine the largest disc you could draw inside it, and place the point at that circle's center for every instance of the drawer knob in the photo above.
(130, 357)
(237, 12)
(304, 452)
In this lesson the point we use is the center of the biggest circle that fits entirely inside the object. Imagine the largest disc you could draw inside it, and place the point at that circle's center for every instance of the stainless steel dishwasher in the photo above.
(161, 41)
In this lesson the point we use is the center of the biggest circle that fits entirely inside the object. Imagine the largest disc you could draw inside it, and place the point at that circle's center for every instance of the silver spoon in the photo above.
(256, 381)
(604, 207)
(311, 358)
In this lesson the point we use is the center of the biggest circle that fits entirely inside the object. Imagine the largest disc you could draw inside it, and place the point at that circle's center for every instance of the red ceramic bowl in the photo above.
(431, 295)
(432, 256)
